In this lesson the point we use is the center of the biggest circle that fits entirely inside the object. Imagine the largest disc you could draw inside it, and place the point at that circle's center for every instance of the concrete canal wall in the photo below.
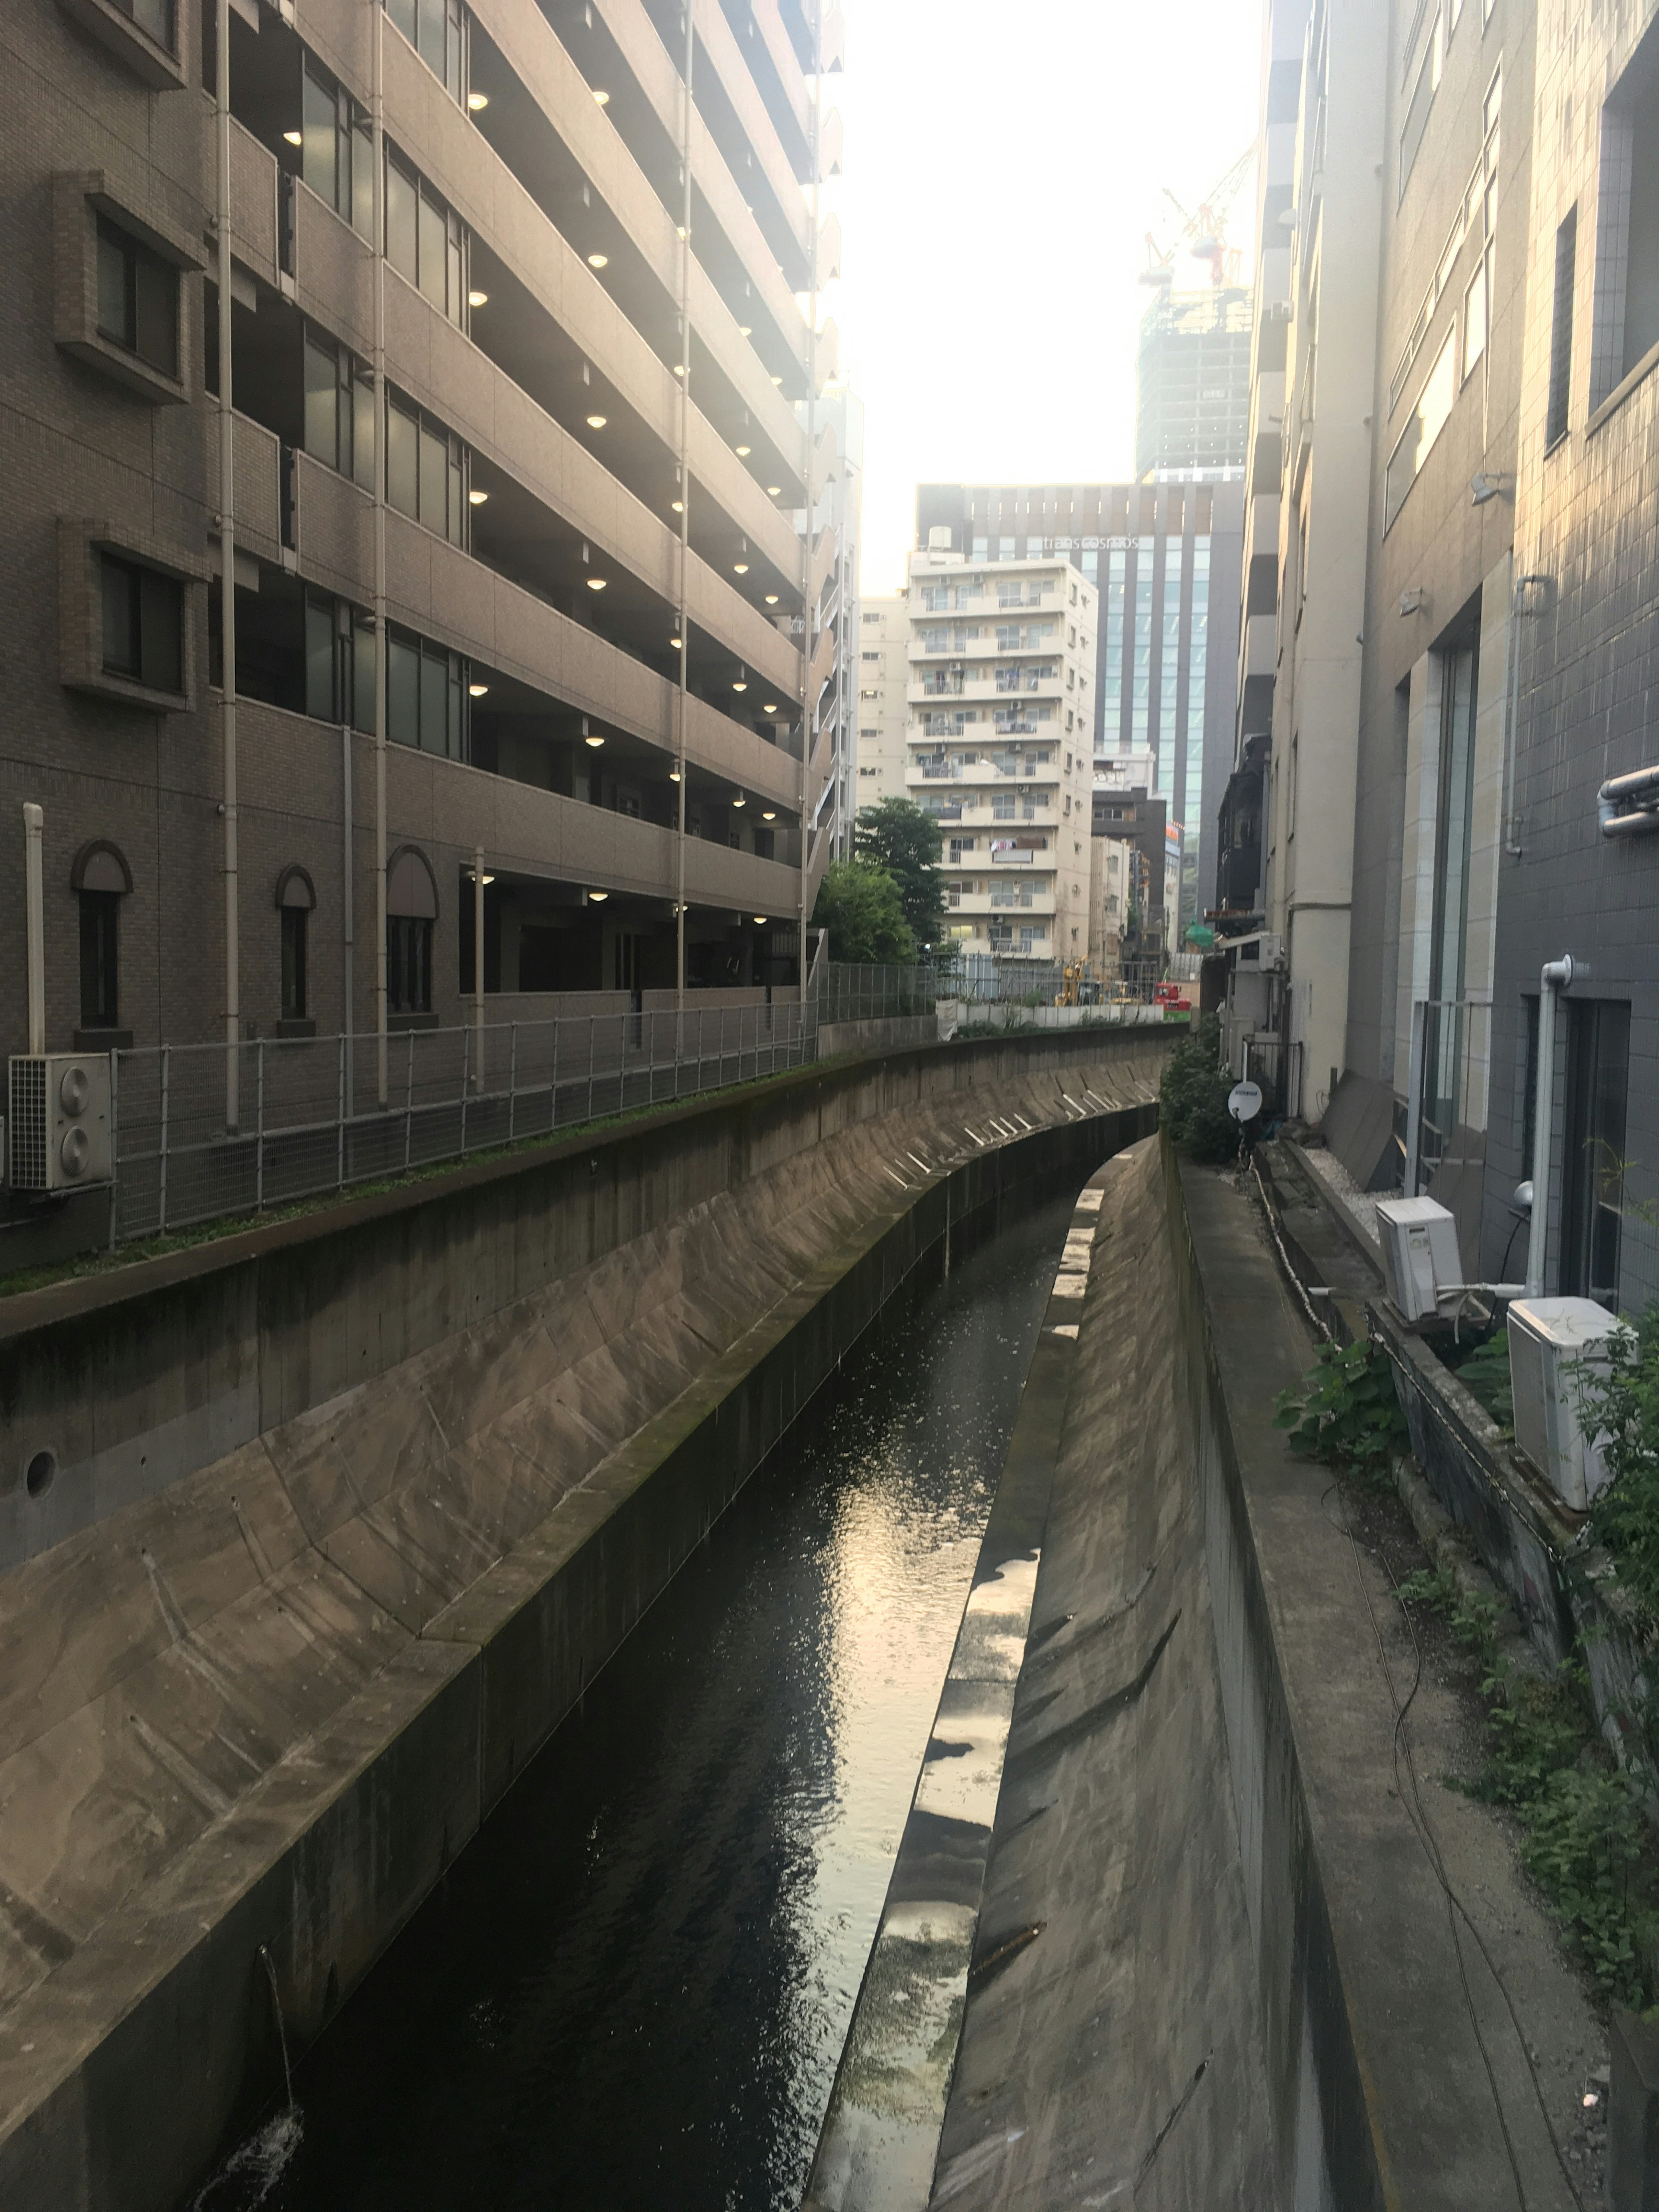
(342, 1515)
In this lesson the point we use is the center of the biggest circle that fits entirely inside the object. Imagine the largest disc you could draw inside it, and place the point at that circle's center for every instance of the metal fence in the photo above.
(311, 1119)
(1275, 1064)
(849, 991)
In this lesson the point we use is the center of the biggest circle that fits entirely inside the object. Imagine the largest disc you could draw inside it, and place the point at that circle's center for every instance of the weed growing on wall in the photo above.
(1585, 1843)
(1485, 1373)
(1346, 1412)
(1622, 1406)
(1191, 1099)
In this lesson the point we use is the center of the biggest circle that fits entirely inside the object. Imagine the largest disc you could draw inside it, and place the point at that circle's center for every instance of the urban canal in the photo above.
(633, 1988)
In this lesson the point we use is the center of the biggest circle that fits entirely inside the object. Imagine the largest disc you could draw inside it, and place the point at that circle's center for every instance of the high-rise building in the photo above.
(839, 415)
(497, 435)
(1193, 386)
(883, 699)
(1002, 666)
(1164, 559)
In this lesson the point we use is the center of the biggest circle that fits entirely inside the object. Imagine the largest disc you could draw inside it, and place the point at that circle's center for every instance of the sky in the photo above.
(1003, 165)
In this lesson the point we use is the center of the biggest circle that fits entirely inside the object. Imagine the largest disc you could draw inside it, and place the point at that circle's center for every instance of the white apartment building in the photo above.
(1000, 745)
(884, 710)
(1111, 881)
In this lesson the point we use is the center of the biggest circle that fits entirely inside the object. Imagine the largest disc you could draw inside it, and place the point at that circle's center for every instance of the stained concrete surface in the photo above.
(274, 1698)
(1215, 1963)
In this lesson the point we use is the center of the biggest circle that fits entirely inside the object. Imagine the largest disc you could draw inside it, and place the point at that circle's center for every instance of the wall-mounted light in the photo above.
(477, 691)
(478, 299)
(294, 137)
(675, 642)
(673, 776)
(596, 421)
(473, 877)
(677, 506)
(598, 260)
(477, 498)
(477, 101)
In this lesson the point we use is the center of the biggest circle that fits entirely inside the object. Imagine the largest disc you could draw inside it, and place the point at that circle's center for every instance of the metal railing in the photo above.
(1447, 1086)
(311, 1122)
(1276, 1064)
(848, 991)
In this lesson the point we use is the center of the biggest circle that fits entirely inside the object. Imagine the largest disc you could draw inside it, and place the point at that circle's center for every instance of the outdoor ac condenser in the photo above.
(1551, 1342)
(1419, 1237)
(58, 1126)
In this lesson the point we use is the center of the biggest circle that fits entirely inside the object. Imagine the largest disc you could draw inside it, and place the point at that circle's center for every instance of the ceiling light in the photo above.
(473, 877)
(603, 98)
(678, 505)
(740, 802)
(599, 897)
(772, 491)
(679, 230)
(742, 451)
(770, 708)
(673, 776)
(595, 742)
(476, 498)
(598, 583)
(679, 369)
(746, 330)
(478, 299)
(477, 101)
(294, 138)
(596, 421)
(740, 568)
(771, 598)
(598, 260)
(675, 642)
(742, 684)
(769, 816)
(761, 918)
(777, 379)
(477, 690)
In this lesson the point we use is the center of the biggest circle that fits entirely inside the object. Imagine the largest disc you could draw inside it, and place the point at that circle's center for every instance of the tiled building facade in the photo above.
(465, 447)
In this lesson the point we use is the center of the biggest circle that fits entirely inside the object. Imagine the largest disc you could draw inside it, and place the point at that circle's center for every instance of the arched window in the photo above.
(411, 910)
(296, 898)
(100, 879)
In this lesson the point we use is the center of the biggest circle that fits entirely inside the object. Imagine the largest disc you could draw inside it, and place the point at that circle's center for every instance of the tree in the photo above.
(897, 836)
(859, 905)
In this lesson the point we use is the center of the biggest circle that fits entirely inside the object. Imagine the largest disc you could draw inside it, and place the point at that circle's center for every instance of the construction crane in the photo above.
(1203, 233)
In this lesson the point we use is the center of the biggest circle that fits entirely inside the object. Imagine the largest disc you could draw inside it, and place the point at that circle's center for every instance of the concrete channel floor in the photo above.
(1113, 2049)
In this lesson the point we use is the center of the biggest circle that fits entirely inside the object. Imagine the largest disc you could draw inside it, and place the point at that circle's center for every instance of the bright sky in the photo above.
(1002, 168)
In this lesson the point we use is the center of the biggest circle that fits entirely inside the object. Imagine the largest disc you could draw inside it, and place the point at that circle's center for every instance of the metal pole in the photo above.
(161, 1222)
(228, 569)
(685, 512)
(34, 912)
(377, 143)
(1556, 976)
(478, 960)
(348, 958)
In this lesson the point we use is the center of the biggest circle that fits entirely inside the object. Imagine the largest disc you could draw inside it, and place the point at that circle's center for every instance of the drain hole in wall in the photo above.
(41, 1469)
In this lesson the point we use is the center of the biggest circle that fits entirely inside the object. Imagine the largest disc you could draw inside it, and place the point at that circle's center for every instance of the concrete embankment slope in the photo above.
(1215, 1964)
(345, 1512)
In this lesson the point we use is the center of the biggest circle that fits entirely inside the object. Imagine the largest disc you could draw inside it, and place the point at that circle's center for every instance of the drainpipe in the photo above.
(1512, 684)
(478, 964)
(35, 909)
(685, 526)
(378, 155)
(812, 497)
(1628, 805)
(228, 577)
(1557, 976)
(348, 931)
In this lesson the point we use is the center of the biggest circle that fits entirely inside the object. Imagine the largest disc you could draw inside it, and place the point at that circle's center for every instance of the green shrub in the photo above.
(1191, 1099)
(1624, 1405)
(1347, 1411)
(1483, 1372)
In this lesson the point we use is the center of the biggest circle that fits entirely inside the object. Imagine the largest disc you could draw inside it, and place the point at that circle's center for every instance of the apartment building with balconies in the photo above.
(1000, 746)
(883, 698)
(474, 351)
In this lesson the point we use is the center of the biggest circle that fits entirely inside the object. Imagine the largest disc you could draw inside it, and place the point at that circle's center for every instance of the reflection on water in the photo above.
(634, 1987)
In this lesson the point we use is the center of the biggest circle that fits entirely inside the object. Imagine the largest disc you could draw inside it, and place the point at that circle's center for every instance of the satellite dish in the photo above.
(1244, 1101)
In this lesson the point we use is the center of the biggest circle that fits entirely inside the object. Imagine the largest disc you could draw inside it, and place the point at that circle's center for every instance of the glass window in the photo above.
(1427, 421)
(1593, 1169)
(434, 248)
(295, 997)
(323, 425)
(155, 18)
(321, 701)
(99, 940)
(1566, 254)
(143, 624)
(1474, 316)
(403, 690)
(402, 219)
(363, 429)
(435, 480)
(319, 154)
(408, 965)
(403, 459)
(137, 299)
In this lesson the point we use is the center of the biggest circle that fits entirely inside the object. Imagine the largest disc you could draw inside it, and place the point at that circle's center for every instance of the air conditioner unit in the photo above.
(1553, 1342)
(1419, 1253)
(59, 1123)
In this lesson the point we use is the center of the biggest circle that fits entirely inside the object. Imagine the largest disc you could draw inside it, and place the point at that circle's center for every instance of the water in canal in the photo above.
(634, 1989)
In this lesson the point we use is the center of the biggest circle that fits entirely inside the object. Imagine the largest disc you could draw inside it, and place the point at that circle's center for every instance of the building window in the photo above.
(1566, 254)
(425, 695)
(339, 409)
(425, 471)
(408, 965)
(1593, 1169)
(143, 615)
(99, 936)
(336, 152)
(155, 19)
(437, 31)
(1627, 225)
(425, 239)
(137, 299)
(1425, 86)
(296, 1000)
(1427, 420)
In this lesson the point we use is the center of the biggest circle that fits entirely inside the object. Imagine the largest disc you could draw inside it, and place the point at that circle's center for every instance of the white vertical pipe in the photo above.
(479, 963)
(378, 144)
(1557, 976)
(348, 923)
(685, 509)
(35, 909)
(228, 576)
(811, 498)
